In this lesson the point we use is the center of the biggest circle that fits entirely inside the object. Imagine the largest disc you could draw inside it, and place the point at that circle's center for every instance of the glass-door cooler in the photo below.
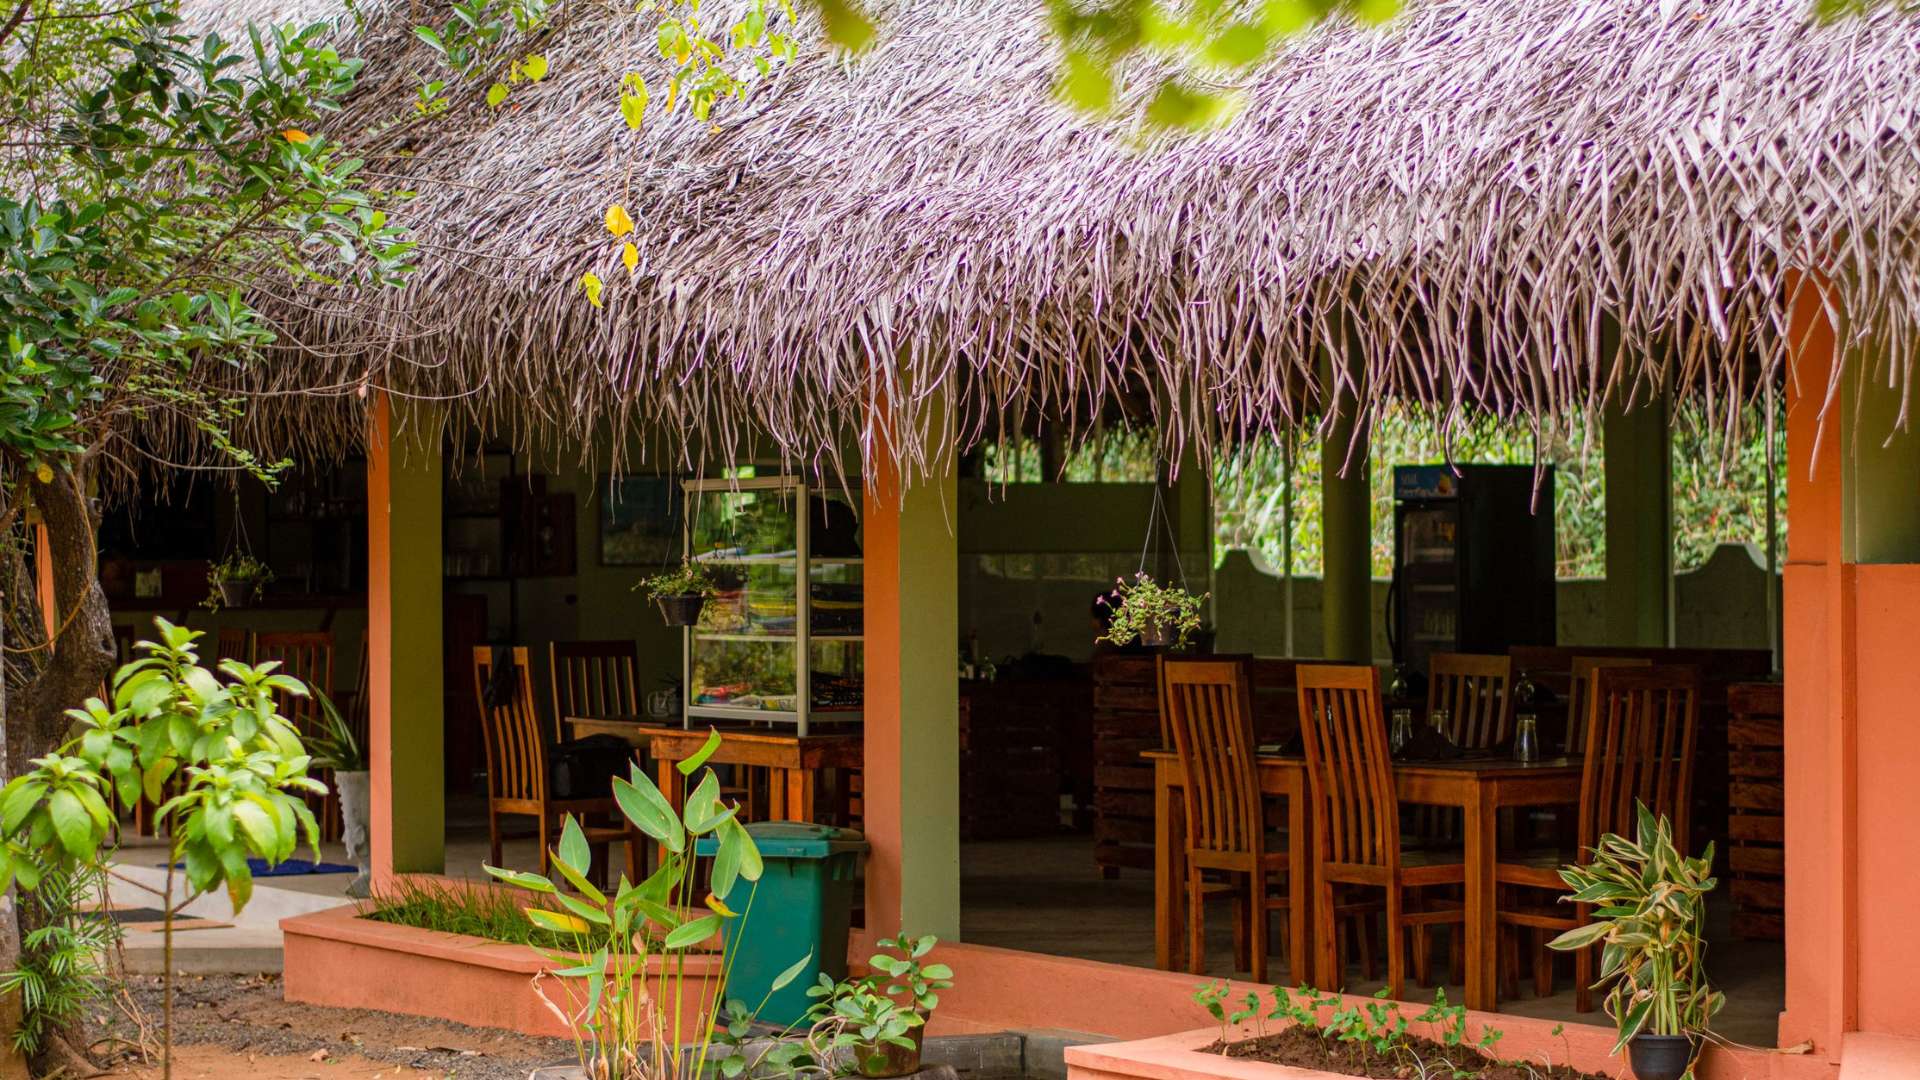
(782, 641)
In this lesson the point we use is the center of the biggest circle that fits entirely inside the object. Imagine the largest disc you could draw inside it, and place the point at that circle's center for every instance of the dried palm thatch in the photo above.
(1521, 205)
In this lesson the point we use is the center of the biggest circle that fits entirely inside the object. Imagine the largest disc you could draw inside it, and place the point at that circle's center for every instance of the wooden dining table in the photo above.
(792, 761)
(1480, 787)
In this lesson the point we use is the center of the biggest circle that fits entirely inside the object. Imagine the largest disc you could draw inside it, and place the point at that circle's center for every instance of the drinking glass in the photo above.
(1526, 738)
(1440, 720)
(1402, 731)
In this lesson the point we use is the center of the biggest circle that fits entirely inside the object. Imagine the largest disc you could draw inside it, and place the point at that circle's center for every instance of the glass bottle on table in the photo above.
(1526, 738)
(1402, 731)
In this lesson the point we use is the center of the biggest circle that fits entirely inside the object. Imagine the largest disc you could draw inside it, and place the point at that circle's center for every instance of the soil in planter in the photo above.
(1303, 1049)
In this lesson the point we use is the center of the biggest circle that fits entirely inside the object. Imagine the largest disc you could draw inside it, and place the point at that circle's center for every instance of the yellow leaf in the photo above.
(534, 67)
(45, 472)
(590, 281)
(630, 255)
(294, 135)
(719, 907)
(618, 223)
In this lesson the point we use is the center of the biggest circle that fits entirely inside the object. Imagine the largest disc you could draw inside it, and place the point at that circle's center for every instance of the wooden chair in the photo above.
(517, 771)
(1475, 692)
(593, 678)
(1578, 688)
(1206, 708)
(1642, 722)
(306, 655)
(233, 643)
(1356, 819)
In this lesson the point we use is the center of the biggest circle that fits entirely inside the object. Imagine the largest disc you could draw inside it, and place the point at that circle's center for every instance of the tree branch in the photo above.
(13, 21)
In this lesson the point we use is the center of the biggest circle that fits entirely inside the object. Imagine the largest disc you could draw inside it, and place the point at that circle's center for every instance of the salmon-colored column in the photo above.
(1817, 600)
(405, 704)
(911, 779)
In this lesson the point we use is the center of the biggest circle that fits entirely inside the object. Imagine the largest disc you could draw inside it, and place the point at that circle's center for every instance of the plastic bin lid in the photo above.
(796, 840)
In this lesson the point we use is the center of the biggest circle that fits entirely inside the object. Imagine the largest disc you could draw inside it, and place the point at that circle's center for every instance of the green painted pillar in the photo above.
(1346, 534)
(1638, 448)
(911, 779)
(1880, 474)
(405, 696)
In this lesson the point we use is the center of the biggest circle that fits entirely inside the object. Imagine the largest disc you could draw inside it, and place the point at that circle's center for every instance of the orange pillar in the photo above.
(911, 779)
(1821, 715)
(408, 820)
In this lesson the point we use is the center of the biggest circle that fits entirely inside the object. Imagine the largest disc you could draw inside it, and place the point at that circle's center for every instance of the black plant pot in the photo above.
(681, 610)
(1662, 1057)
(237, 594)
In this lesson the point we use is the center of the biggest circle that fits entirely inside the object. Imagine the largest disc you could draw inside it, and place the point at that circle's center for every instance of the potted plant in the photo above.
(1649, 914)
(877, 1021)
(335, 746)
(1152, 614)
(680, 592)
(236, 582)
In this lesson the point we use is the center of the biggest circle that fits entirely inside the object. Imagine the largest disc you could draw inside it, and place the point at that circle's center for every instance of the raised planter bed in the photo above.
(336, 958)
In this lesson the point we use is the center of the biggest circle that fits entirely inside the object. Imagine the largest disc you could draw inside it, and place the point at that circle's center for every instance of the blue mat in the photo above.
(290, 868)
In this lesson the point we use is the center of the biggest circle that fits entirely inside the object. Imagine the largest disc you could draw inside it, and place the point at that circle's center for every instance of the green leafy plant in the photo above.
(228, 774)
(490, 913)
(648, 930)
(236, 577)
(690, 578)
(859, 1021)
(66, 960)
(1146, 611)
(1649, 917)
(334, 745)
(1378, 1025)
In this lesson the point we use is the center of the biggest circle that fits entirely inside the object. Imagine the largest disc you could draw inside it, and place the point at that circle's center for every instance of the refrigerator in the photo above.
(1473, 560)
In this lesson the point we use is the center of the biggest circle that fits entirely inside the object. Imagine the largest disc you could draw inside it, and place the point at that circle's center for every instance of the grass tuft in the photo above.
(481, 912)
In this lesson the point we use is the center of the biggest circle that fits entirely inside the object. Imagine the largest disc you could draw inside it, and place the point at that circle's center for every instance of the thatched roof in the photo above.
(1469, 200)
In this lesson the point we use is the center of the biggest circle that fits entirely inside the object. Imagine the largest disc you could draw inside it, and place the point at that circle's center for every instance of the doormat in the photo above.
(290, 868)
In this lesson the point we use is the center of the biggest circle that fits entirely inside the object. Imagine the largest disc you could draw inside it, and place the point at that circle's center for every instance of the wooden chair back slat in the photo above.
(1356, 818)
(1579, 687)
(1207, 707)
(1642, 726)
(233, 643)
(593, 678)
(1475, 690)
(510, 730)
(306, 655)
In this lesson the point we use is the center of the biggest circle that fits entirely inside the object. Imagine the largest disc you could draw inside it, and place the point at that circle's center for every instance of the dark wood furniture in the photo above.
(1475, 691)
(1126, 723)
(1025, 744)
(517, 773)
(593, 678)
(1356, 819)
(1580, 685)
(1641, 724)
(1206, 707)
(1756, 856)
(1481, 787)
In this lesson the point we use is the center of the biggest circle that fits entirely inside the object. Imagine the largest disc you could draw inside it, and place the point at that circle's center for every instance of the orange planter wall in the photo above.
(335, 958)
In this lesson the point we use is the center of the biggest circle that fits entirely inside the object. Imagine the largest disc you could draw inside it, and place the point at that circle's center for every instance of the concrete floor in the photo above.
(1047, 896)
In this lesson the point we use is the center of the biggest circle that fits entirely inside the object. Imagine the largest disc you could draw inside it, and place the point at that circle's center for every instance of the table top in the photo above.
(1475, 765)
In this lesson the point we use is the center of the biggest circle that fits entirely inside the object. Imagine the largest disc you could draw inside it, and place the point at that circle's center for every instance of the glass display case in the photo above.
(781, 642)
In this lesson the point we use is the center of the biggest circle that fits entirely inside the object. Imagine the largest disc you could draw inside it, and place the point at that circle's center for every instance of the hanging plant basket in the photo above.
(238, 594)
(1155, 636)
(681, 610)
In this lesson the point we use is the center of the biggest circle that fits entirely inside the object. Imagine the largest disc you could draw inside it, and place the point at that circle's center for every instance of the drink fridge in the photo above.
(1473, 560)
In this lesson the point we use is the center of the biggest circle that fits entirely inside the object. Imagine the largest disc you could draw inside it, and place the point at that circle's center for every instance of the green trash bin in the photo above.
(801, 905)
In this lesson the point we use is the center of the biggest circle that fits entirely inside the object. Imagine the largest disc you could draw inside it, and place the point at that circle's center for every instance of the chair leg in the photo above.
(1507, 941)
(1583, 981)
(1456, 954)
(1242, 956)
(1196, 924)
(1396, 945)
(493, 836)
(1422, 955)
(1325, 939)
(1542, 965)
(1257, 920)
(1363, 940)
(541, 839)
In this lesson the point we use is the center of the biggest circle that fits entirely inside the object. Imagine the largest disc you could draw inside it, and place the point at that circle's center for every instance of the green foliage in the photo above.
(688, 579)
(1378, 1024)
(853, 1022)
(493, 914)
(621, 1027)
(335, 745)
(154, 175)
(66, 960)
(1650, 920)
(237, 766)
(1146, 611)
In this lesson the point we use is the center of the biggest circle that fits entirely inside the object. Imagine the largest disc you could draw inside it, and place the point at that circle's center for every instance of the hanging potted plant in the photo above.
(236, 582)
(334, 745)
(1151, 614)
(1650, 916)
(680, 592)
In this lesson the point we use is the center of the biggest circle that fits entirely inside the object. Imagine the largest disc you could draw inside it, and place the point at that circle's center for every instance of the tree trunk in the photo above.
(82, 655)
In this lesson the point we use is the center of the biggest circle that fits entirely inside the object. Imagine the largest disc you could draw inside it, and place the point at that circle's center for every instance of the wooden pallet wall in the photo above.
(1756, 823)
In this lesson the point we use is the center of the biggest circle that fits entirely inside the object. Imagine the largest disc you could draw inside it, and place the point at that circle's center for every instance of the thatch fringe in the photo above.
(1526, 206)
